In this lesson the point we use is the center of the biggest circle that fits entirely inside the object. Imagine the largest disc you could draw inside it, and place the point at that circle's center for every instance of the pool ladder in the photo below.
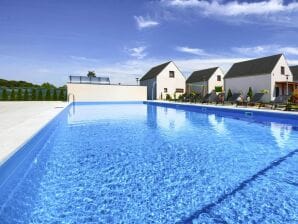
(73, 97)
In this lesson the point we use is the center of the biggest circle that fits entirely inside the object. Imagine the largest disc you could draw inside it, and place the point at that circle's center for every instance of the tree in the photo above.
(33, 94)
(40, 96)
(13, 95)
(20, 94)
(48, 95)
(26, 95)
(249, 93)
(61, 95)
(47, 85)
(91, 74)
(55, 95)
(229, 94)
(4, 94)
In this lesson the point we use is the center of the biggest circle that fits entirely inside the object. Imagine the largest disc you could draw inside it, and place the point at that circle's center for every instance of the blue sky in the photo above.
(46, 40)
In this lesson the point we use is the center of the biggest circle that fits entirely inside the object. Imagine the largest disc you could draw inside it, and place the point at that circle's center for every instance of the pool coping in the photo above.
(292, 114)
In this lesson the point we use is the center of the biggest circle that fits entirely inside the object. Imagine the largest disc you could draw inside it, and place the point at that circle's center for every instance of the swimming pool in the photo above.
(155, 163)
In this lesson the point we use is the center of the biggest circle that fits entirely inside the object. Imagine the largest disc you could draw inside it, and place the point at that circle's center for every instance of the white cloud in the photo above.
(266, 49)
(189, 50)
(290, 50)
(145, 22)
(83, 59)
(235, 8)
(137, 52)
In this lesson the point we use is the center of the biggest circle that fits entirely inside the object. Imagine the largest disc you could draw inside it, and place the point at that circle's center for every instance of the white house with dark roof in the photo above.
(162, 80)
(204, 81)
(268, 73)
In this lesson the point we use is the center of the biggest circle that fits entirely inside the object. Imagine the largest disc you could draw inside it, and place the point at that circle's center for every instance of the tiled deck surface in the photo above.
(19, 121)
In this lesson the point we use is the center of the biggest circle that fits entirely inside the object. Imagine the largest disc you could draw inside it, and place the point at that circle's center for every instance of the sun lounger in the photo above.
(234, 98)
(257, 99)
(280, 102)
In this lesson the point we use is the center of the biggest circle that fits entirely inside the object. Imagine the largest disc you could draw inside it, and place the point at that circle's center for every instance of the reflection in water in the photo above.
(217, 123)
(170, 119)
(165, 118)
(281, 133)
(103, 112)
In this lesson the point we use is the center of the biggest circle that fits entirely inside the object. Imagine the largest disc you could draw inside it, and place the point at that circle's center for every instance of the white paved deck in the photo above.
(229, 106)
(19, 121)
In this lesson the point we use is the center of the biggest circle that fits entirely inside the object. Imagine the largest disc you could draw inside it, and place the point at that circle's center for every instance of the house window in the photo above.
(179, 90)
(172, 74)
(165, 90)
(282, 70)
(219, 78)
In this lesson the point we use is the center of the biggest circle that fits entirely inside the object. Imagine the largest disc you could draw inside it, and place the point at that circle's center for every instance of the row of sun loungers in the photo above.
(280, 102)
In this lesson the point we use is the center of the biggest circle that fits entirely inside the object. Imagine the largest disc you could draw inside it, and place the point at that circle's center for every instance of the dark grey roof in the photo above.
(153, 72)
(294, 70)
(201, 75)
(253, 67)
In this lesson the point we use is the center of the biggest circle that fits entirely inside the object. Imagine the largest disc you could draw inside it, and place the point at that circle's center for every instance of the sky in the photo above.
(48, 40)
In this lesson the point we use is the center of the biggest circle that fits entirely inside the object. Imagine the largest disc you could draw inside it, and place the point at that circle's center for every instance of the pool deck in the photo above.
(22, 120)
(229, 106)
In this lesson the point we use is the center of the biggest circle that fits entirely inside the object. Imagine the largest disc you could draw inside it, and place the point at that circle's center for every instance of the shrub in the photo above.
(33, 94)
(265, 91)
(13, 95)
(55, 95)
(61, 95)
(181, 97)
(218, 89)
(168, 97)
(229, 94)
(40, 96)
(249, 93)
(48, 95)
(26, 95)
(20, 94)
(4, 94)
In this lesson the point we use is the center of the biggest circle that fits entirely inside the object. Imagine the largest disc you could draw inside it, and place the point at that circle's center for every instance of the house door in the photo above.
(276, 91)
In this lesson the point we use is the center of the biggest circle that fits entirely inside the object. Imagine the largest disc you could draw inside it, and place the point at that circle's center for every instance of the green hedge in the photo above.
(33, 94)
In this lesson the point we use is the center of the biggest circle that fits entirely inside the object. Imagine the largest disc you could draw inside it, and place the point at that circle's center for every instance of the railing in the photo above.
(91, 80)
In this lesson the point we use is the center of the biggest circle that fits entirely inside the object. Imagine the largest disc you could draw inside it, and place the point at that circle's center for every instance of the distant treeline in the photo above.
(21, 90)
(24, 84)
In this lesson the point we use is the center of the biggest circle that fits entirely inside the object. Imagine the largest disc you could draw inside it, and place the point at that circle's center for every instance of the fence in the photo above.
(89, 80)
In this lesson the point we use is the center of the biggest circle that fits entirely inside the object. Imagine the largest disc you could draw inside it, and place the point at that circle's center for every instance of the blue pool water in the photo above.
(142, 163)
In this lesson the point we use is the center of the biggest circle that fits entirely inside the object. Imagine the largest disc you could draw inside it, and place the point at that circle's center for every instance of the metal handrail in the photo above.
(91, 80)
(73, 97)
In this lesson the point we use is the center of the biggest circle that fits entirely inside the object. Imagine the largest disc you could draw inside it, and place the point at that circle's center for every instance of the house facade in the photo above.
(268, 73)
(205, 81)
(162, 80)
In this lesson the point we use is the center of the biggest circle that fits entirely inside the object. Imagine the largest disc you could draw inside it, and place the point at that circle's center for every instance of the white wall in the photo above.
(276, 76)
(242, 84)
(212, 82)
(164, 81)
(151, 88)
(93, 92)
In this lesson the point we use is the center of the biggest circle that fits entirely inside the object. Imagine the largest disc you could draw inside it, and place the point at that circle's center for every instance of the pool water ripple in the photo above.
(139, 163)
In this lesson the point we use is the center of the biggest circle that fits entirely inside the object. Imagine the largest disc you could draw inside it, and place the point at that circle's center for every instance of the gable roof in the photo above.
(201, 75)
(153, 72)
(294, 70)
(253, 67)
